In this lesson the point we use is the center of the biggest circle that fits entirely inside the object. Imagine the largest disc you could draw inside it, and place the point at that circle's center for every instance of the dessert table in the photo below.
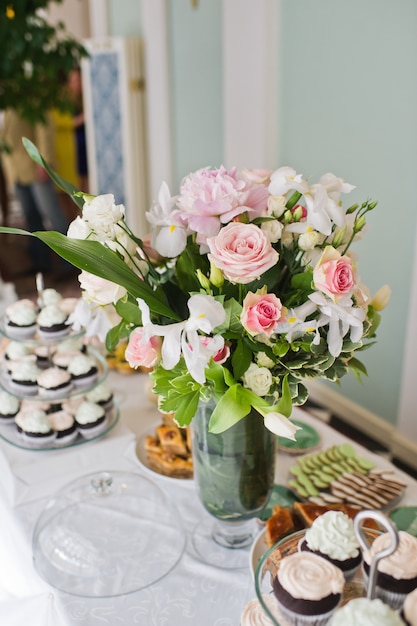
(191, 593)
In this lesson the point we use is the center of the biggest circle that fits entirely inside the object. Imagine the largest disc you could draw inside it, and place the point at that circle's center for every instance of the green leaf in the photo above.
(284, 405)
(241, 359)
(357, 368)
(302, 281)
(115, 335)
(229, 410)
(63, 184)
(129, 311)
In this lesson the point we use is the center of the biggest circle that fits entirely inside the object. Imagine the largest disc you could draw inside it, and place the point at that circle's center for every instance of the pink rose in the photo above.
(242, 251)
(140, 353)
(261, 313)
(334, 274)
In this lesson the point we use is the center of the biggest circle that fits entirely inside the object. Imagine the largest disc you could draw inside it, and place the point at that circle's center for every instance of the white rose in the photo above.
(102, 214)
(100, 290)
(273, 230)
(122, 243)
(310, 239)
(78, 229)
(276, 205)
(263, 360)
(257, 379)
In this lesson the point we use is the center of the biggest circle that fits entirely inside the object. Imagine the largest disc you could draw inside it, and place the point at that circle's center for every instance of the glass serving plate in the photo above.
(9, 433)
(107, 534)
(36, 340)
(73, 392)
(268, 566)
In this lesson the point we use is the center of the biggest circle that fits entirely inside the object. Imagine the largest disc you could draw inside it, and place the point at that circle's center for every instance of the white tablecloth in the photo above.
(193, 593)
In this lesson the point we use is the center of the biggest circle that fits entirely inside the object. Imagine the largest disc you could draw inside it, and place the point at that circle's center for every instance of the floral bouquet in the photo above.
(246, 289)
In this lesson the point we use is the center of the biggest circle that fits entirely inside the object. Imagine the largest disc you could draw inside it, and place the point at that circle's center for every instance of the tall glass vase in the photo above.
(234, 476)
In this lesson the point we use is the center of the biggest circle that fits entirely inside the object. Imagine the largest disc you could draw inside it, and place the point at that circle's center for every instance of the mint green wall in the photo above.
(196, 63)
(349, 105)
(124, 18)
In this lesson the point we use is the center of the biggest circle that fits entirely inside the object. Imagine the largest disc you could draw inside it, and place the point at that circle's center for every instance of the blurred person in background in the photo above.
(32, 186)
(76, 93)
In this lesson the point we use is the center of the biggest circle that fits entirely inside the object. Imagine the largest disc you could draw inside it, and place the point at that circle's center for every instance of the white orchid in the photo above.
(169, 236)
(285, 179)
(341, 318)
(182, 337)
(295, 324)
(95, 319)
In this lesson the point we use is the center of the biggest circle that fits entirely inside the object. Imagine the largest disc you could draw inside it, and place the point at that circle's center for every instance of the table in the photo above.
(192, 593)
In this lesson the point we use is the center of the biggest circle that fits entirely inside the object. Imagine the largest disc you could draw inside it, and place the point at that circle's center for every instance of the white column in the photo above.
(99, 18)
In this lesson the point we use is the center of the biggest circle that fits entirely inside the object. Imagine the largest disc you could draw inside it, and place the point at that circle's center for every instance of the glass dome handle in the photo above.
(382, 554)
(102, 483)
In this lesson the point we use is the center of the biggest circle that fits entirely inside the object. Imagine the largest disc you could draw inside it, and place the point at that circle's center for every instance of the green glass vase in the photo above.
(234, 474)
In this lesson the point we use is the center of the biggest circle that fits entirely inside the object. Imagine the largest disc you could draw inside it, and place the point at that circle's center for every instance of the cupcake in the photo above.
(91, 419)
(52, 322)
(34, 427)
(16, 352)
(9, 407)
(409, 612)
(24, 377)
(333, 537)
(83, 370)
(367, 612)
(63, 359)
(49, 296)
(102, 395)
(71, 344)
(21, 320)
(308, 589)
(43, 356)
(397, 573)
(71, 404)
(54, 382)
(254, 614)
(65, 427)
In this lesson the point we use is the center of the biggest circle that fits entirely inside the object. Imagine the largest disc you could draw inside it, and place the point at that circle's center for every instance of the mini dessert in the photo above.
(365, 612)
(65, 427)
(63, 359)
(91, 419)
(168, 451)
(397, 573)
(308, 589)
(333, 537)
(54, 382)
(102, 395)
(34, 427)
(16, 350)
(52, 322)
(71, 404)
(71, 344)
(24, 377)
(83, 370)
(9, 407)
(21, 320)
(409, 612)
(254, 614)
(49, 296)
(42, 355)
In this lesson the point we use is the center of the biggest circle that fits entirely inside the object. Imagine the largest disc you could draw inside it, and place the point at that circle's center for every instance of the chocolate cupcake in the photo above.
(102, 395)
(365, 611)
(9, 407)
(24, 377)
(35, 428)
(91, 419)
(52, 322)
(21, 320)
(397, 573)
(308, 589)
(333, 537)
(65, 427)
(83, 370)
(54, 382)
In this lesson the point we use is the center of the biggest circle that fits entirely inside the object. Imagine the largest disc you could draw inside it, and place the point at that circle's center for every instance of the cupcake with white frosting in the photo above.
(63, 359)
(65, 427)
(35, 427)
(16, 351)
(24, 377)
(52, 322)
(9, 407)
(49, 296)
(332, 536)
(54, 382)
(308, 589)
(91, 419)
(102, 395)
(409, 612)
(397, 573)
(83, 370)
(365, 612)
(21, 320)
(254, 614)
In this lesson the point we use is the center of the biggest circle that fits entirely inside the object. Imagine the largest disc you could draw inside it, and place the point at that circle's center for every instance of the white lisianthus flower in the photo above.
(102, 214)
(99, 290)
(78, 229)
(273, 230)
(257, 379)
(276, 206)
(309, 239)
(263, 360)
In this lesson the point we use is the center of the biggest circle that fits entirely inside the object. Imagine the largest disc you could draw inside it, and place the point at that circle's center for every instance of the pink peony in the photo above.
(242, 251)
(140, 353)
(334, 274)
(261, 313)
